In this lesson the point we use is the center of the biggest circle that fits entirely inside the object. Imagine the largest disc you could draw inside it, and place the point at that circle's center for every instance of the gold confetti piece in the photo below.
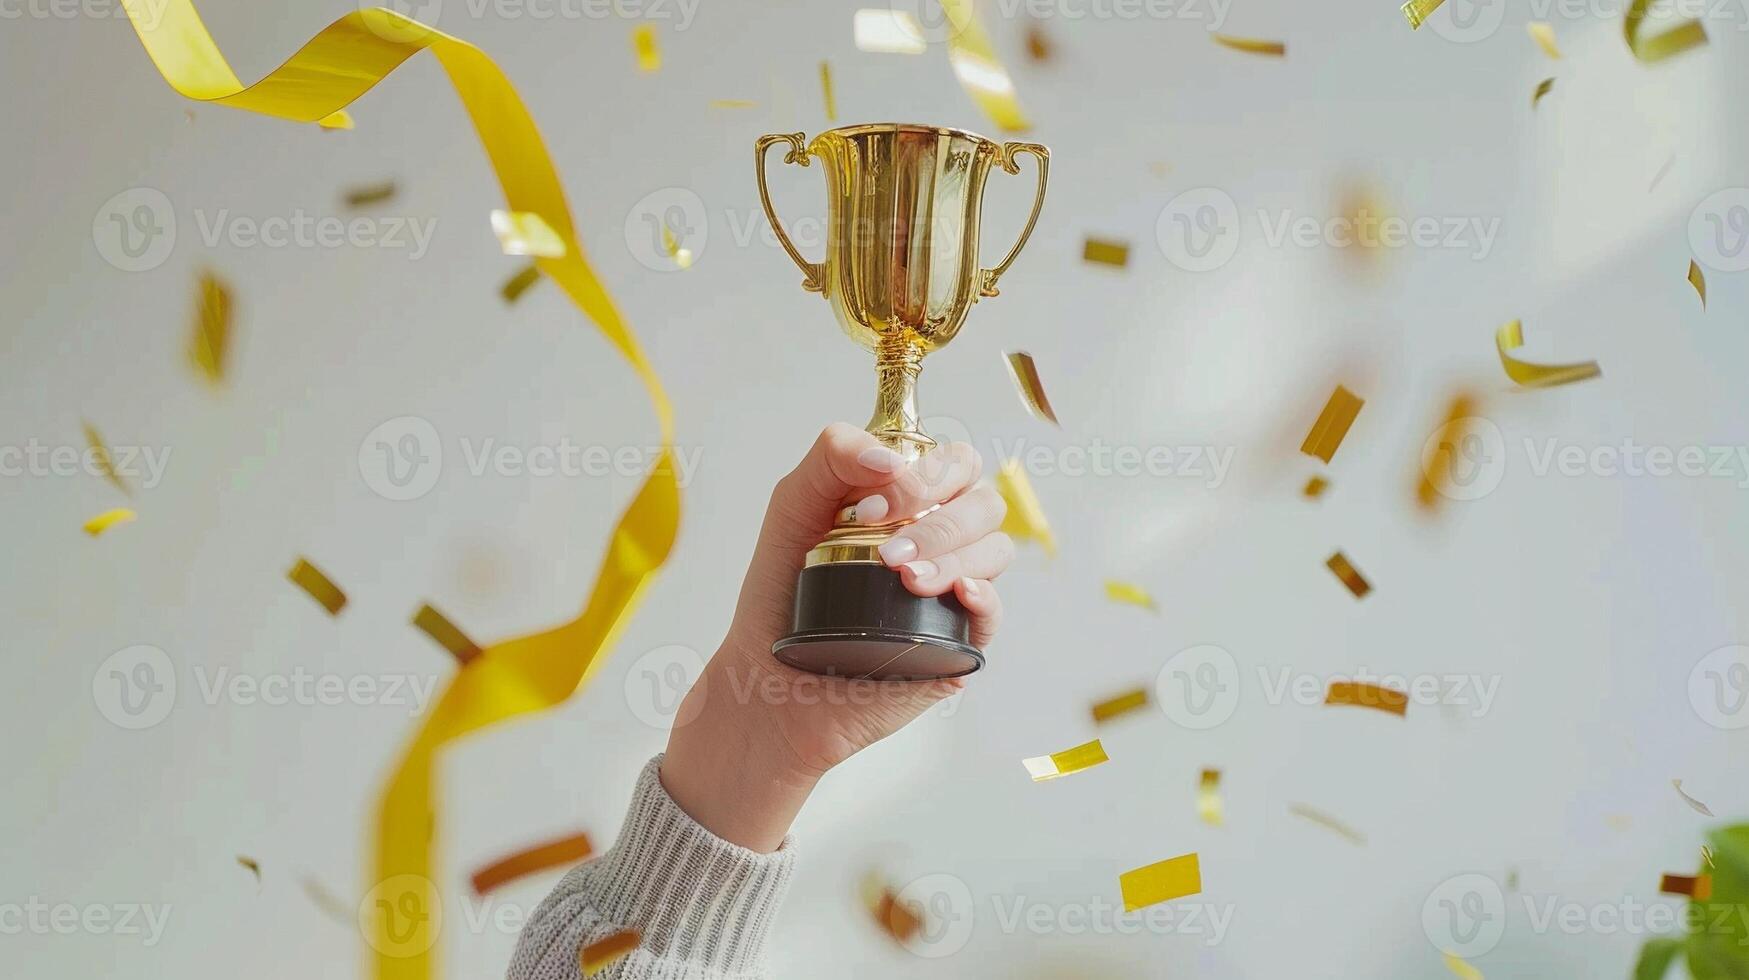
(1326, 821)
(1106, 252)
(1208, 798)
(1130, 594)
(1332, 424)
(1350, 577)
(1697, 279)
(108, 519)
(1032, 390)
(899, 920)
(1315, 488)
(1417, 11)
(101, 456)
(1511, 337)
(321, 588)
(1038, 45)
(644, 43)
(826, 92)
(518, 284)
(979, 70)
(326, 900)
(447, 634)
(600, 955)
(552, 854)
(526, 233)
(1026, 519)
(521, 674)
(887, 31)
(367, 194)
(1160, 882)
(1361, 205)
(1512, 880)
(1122, 704)
(1697, 887)
(1542, 89)
(1658, 177)
(211, 337)
(1619, 821)
(1455, 437)
(1686, 35)
(1706, 854)
(671, 244)
(1251, 45)
(1063, 763)
(1699, 807)
(1460, 968)
(734, 104)
(1361, 695)
(1543, 33)
(1159, 168)
(253, 865)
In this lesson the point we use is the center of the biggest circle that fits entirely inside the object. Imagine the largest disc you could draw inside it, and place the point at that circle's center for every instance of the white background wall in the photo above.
(1589, 599)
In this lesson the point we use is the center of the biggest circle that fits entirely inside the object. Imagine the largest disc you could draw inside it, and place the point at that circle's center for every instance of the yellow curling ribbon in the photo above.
(529, 673)
(979, 70)
(1688, 34)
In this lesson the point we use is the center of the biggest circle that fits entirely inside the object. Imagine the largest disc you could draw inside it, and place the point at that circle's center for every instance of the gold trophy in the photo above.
(901, 272)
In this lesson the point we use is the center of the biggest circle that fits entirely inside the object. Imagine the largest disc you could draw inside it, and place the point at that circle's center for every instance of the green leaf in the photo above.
(1655, 958)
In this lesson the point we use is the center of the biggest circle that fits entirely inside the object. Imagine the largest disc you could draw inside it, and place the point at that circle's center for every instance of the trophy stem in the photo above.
(895, 422)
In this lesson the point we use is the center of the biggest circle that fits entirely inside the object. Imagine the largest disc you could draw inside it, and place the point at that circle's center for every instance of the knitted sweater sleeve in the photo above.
(702, 905)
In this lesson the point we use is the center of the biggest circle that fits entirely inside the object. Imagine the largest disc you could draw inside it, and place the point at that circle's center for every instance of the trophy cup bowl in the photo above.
(901, 273)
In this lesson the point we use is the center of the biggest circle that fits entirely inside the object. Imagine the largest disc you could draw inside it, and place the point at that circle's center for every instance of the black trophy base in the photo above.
(858, 620)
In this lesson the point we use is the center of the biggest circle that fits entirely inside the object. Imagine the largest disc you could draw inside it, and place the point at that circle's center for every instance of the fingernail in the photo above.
(871, 509)
(881, 460)
(970, 586)
(921, 569)
(898, 551)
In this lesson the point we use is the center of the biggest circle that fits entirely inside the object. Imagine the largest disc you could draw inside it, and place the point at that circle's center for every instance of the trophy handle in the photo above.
(1009, 152)
(813, 272)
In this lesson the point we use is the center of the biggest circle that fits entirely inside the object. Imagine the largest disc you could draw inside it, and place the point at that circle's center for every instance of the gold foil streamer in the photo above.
(600, 955)
(1697, 887)
(1349, 575)
(320, 587)
(1698, 806)
(1542, 89)
(1025, 520)
(1105, 252)
(253, 865)
(1459, 968)
(1326, 821)
(884, 31)
(1252, 45)
(552, 854)
(1361, 695)
(526, 233)
(1332, 424)
(1315, 488)
(1122, 704)
(527, 673)
(1697, 279)
(101, 456)
(1086, 756)
(1160, 882)
(1032, 390)
(1511, 337)
(108, 519)
(1454, 432)
(1417, 11)
(1686, 35)
(1543, 33)
(365, 195)
(210, 339)
(644, 43)
(1130, 594)
(447, 634)
(979, 70)
(1208, 798)
(518, 284)
(826, 91)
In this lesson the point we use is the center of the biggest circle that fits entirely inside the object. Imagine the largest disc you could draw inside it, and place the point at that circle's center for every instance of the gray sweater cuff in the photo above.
(703, 905)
